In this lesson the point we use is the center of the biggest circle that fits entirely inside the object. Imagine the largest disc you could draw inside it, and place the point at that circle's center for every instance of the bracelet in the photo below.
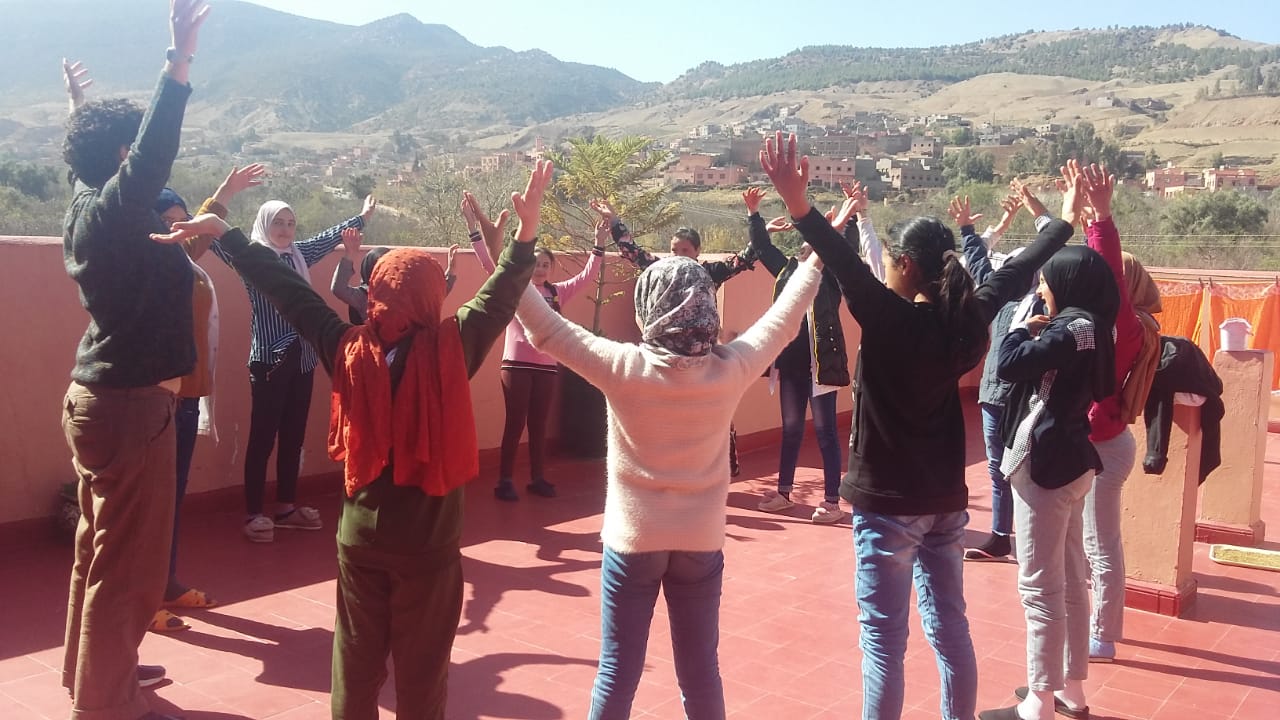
(172, 56)
(475, 235)
(597, 250)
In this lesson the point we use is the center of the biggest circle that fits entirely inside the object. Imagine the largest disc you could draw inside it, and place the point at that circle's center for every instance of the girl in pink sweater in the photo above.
(528, 376)
(669, 399)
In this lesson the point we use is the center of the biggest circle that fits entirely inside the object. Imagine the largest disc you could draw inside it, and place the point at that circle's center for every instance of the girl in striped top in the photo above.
(281, 371)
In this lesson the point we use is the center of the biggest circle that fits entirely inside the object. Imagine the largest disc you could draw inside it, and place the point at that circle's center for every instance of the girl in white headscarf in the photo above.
(281, 371)
(670, 398)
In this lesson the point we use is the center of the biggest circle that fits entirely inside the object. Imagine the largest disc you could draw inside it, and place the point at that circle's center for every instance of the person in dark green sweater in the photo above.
(400, 389)
(118, 410)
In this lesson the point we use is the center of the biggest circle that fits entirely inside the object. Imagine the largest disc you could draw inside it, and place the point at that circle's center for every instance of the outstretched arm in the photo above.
(298, 303)
(132, 191)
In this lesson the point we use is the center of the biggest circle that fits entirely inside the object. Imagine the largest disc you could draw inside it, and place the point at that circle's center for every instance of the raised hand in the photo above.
(753, 197)
(1074, 197)
(370, 205)
(528, 204)
(960, 212)
(492, 232)
(605, 210)
(603, 232)
(239, 180)
(790, 176)
(185, 19)
(845, 214)
(72, 72)
(448, 267)
(206, 224)
(1028, 198)
(1099, 186)
(351, 241)
(780, 224)
(858, 193)
(1010, 205)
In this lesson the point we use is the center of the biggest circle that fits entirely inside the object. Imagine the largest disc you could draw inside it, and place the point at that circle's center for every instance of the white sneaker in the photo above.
(774, 501)
(827, 513)
(300, 518)
(260, 529)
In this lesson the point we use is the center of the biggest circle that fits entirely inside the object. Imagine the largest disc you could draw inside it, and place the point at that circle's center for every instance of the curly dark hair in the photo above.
(95, 133)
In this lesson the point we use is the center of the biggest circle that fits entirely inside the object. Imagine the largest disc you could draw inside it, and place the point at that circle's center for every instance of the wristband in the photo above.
(598, 250)
(475, 236)
(172, 56)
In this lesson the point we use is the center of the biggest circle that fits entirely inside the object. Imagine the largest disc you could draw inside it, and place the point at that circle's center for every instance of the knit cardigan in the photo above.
(668, 417)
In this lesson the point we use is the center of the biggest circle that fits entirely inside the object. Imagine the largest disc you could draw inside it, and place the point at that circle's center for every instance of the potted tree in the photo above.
(620, 171)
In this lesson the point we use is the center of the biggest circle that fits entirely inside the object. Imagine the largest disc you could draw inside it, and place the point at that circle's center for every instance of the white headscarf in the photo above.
(262, 233)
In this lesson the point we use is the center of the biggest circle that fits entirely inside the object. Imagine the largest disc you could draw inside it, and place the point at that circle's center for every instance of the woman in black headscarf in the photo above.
(1058, 364)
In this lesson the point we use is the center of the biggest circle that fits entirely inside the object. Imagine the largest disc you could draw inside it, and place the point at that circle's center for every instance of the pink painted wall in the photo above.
(44, 322)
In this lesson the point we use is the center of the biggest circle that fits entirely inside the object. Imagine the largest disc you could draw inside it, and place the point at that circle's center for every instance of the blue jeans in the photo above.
(1001, 495)
(794, 394)
(891, 551)
(628, 590)
(186, 421)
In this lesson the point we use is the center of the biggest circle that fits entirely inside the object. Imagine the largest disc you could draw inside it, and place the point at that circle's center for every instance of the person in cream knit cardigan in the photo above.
(664, 517)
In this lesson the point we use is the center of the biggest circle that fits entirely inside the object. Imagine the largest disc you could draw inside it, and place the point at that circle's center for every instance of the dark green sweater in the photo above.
(137, 291)
(383, 524)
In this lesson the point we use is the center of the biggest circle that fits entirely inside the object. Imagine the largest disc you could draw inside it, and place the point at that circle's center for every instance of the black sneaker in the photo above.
(996, 548)
(149, 675)
(506, 492)
(541, 487)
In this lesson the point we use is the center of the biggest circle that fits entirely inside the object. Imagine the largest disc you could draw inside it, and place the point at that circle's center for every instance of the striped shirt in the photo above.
(272, 335)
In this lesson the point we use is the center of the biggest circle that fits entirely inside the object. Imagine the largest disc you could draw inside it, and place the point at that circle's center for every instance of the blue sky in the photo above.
(659, 39)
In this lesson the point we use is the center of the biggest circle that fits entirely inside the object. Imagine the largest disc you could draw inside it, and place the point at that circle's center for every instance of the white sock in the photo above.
(1038, 705)
(1072, 694)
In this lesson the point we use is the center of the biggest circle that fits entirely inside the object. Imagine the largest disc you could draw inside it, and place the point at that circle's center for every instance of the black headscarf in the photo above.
(366, 272)
(1084, 286)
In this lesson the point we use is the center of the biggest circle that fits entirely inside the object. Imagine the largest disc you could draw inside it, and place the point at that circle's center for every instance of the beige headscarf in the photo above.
(1145, 298)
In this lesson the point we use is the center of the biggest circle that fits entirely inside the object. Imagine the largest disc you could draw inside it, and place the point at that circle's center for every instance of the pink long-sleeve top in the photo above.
(517, 351)
(1105, 419)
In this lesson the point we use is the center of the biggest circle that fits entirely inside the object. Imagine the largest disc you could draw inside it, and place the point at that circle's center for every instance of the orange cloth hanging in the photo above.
(1180, 304)
(1258, 303)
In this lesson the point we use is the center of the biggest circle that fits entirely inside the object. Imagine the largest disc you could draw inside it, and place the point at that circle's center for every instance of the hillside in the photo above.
(1154, 55)
(278, 72)
(302, 82)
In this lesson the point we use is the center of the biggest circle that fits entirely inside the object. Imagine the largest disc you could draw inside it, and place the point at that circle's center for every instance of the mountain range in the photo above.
(273, 72)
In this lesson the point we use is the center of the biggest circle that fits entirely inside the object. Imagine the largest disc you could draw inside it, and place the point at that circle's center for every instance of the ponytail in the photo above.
(966, 330)
(932, 247)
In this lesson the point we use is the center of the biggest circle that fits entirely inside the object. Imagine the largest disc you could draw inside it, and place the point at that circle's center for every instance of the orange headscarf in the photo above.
(428, 423)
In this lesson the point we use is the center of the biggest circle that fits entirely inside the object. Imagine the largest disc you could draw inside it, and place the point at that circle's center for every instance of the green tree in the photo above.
(1151, 160)
(1226, 213)
(961, 136)
(1217, 159)
(403, 143)
(617, 170)
(968, 166)
(37, 181)
(360, 185)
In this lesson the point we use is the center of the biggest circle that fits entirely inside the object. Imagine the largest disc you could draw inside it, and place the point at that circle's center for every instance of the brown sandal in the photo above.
(166, 622)
(192, 598)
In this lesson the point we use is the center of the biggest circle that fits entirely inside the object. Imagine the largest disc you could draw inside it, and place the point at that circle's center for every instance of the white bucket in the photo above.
(1234, 333)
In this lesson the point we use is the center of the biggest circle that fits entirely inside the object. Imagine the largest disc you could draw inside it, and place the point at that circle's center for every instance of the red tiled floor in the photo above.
(529, 635)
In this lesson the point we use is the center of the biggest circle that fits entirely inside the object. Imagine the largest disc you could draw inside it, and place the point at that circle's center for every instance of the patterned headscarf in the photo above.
(676, 307)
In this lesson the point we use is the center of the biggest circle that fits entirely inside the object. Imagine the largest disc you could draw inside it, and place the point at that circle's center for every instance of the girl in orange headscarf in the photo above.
(401, 421)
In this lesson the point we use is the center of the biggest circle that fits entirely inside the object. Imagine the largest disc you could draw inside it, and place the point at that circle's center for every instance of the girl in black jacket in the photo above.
(1058, 367)
(922, 329)
(810, 370)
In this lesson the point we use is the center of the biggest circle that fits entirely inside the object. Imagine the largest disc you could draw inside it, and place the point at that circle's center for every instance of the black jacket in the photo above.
(1051, 391)
(1183, 368)
(829, 348)
(907, 453)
